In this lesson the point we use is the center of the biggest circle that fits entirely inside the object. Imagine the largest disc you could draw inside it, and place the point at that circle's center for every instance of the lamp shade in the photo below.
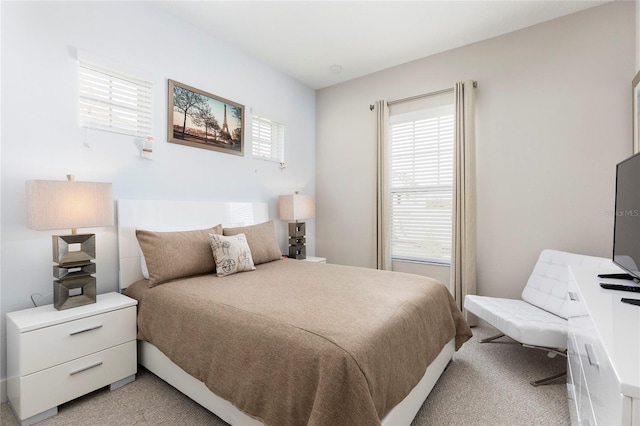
(68, 204)
(296, 207)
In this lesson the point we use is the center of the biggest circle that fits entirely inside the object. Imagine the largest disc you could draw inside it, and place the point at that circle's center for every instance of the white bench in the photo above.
(539, 319)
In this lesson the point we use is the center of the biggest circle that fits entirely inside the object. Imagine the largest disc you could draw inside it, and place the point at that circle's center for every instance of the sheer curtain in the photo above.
(383, 239)
(463, 256)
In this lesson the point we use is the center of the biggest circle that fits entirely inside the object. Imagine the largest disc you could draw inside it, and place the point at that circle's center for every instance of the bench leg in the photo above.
(547, 380)
(489, 339)
(551, 352)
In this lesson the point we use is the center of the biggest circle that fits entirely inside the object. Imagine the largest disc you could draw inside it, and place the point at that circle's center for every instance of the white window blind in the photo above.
(267, 138)
(114, 101)
(421, 185)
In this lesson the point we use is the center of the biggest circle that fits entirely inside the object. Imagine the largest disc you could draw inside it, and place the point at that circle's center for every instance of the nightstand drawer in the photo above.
(64, 382)
(50, 346)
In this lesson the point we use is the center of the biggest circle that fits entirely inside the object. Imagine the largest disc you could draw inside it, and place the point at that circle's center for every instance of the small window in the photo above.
(114, 101)
(268, 139)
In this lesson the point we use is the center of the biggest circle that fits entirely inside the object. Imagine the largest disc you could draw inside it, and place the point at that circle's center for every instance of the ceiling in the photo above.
(304, 39)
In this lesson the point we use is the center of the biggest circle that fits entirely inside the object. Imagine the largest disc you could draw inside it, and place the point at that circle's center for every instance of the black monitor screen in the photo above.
(626, 230)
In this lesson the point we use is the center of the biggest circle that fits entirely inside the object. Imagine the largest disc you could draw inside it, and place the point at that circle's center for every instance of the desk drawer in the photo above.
(50, 346)
(571, 394)
(586, 416)
(574, 378)
(601, 379)
(51, 387)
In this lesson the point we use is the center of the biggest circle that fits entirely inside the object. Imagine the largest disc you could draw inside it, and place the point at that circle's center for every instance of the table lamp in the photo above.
(54, 205)
(296, 207)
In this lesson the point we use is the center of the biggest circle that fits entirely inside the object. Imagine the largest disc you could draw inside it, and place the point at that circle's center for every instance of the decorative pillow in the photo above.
(171, 255)
(231, 254)
(261, 239)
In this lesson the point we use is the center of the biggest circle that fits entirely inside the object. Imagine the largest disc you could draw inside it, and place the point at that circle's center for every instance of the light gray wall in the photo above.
(637, 38)
(553, 119)
(41, 138)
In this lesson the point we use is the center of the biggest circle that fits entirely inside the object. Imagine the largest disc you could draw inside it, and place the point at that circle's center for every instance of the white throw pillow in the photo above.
(231, 254)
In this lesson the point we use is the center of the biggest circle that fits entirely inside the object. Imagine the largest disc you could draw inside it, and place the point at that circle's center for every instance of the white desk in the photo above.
(603, 352)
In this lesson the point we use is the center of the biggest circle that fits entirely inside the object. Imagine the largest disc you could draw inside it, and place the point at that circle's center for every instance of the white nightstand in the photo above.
(315, 259)
(56, 356)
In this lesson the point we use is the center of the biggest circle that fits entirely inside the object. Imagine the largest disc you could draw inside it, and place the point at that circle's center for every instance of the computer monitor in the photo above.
(626, 229)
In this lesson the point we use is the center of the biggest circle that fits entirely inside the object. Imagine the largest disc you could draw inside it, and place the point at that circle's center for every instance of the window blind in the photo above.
(267, 139)
(421, 184)
(114, 101)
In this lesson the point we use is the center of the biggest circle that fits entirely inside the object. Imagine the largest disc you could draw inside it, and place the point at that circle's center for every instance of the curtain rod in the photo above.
(424, 95)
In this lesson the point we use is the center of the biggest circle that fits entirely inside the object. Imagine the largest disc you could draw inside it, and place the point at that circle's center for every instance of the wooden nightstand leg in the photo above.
(39, 417)
(120, 383)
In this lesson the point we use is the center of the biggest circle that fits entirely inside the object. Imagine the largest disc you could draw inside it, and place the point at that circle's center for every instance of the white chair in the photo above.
(539, 320)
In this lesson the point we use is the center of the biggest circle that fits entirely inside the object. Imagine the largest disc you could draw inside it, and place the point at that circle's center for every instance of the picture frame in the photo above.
(636, 112)
(202, 120)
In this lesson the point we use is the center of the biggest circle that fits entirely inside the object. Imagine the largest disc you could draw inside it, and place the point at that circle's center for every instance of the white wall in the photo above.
(41, 138)
(553, 119)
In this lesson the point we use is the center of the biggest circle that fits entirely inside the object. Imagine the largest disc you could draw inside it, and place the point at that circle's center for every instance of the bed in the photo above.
(286, 343)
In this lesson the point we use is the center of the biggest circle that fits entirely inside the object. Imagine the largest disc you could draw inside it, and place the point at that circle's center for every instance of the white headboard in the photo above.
(172, 216)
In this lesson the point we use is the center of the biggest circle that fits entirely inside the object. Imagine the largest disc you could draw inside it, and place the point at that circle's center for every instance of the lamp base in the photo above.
(298, 252)
(75, 286)
(64, 245)
(297, 249)
(297, 229)
(74, 292)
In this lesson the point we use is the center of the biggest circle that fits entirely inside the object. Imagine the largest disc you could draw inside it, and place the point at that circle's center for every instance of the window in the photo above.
(421, 184)
(268, 139)
(114, 101)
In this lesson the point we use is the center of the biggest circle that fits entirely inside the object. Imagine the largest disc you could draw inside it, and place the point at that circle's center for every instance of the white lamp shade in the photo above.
(296, 207)
(68, 204)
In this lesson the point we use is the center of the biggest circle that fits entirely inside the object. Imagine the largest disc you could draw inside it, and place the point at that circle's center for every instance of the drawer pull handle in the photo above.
(85, 330)
(97, 364)
(573, 296)
(591, 355)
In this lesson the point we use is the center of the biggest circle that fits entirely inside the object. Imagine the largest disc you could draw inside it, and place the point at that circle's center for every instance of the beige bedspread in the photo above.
(296, 343)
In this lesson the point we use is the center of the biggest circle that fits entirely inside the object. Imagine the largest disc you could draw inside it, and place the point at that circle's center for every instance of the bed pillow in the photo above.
(143, 262)
(261, 239)
(231, 254)
(172, 255)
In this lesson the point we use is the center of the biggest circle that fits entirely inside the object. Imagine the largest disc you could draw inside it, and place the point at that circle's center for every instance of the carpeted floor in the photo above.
(485, 384)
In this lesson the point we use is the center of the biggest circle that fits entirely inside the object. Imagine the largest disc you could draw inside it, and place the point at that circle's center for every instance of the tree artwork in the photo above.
(186, 101)
(202, 120)
(204, 117)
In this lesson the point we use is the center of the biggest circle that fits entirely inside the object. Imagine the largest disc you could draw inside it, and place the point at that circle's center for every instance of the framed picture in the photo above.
(636, 112)
(203, 120)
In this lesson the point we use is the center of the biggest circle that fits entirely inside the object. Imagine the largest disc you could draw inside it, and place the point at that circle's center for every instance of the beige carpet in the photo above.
(485, 384)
